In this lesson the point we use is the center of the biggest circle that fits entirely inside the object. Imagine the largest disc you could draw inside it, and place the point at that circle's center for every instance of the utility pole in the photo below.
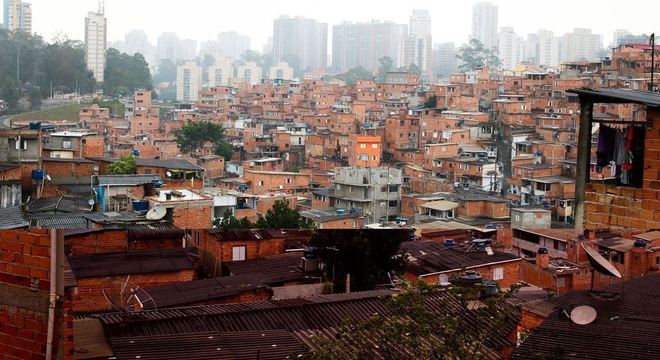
(652, 42)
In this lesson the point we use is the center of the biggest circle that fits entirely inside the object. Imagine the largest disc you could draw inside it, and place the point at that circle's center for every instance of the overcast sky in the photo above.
(203, 19)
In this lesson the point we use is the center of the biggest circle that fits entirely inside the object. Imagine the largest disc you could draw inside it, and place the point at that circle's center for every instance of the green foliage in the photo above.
(281, 216)
(229, 221)
(476, 55)
(123, 166)
(355, 74)
(386, 65)
(192, 136)
(166, 72)
(431, 102)
(125, 73)
(413, 68)
(413, 330)
(60, 64)
(366, 254)
(35, 98)
(224, 149)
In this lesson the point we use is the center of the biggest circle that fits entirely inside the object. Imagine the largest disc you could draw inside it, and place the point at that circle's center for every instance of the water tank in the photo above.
(543, 250)
(140, 205)
(639, 243)
(37, 174)
(470, 278)
(341, 211)
(449, 242)
(35, 125)
(488, 289)
(136, 152)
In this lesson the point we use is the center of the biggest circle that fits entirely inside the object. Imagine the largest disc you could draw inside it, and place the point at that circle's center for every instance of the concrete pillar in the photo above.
(583, 160)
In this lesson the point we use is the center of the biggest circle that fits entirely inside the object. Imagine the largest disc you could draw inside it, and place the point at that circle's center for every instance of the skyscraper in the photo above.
(418, 44)
(511, 48)
(619, 34)
(17, 15)
(363, 44)
(95, 42)
(232, 44)
(301, 42)
(484, 24)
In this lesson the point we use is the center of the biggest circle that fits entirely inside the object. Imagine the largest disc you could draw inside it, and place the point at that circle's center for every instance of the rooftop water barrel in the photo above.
(38, 174)
(140, 205)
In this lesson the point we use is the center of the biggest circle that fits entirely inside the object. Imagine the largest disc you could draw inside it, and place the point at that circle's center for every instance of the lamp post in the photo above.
(652, 43)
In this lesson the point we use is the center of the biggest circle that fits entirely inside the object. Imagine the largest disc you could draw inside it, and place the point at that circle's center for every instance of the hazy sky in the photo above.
(203, 19)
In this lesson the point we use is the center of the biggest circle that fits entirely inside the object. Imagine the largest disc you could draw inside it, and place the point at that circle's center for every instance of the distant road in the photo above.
(5, 121)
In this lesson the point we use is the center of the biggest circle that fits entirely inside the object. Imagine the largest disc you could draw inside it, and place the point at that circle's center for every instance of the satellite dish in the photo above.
(156, 213)
(600, 264)
(169, 174)
(90, 202)
(95, 168)
(583, 315)
(48, 177)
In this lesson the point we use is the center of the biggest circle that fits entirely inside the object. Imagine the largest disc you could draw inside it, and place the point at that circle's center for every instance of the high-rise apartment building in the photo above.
(548, 48)
(301, 42)
(95, 42)
(511, 48)
(363, 44)
(17, 15)
(418, 44)
(188, 81)
(168, 47)
(444, 59)
(221, 73)
(484, 24)
(232, 44)
(581, 44)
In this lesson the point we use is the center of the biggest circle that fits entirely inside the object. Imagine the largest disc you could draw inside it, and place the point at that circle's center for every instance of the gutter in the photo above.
(470, 267)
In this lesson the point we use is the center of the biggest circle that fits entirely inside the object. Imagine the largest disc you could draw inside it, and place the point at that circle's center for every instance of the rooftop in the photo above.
(136, 262)
(607, 95)
(626, 327)
(126, 180)
(429, 257)
(328, 214)
(12, 218)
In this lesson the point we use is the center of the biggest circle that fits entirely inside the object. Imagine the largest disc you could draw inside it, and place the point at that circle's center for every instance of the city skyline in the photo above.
(452, 21)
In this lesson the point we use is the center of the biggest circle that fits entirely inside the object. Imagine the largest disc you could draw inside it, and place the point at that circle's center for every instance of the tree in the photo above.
(413, 68)
(411, 329)
(229, 221)
(355, 74)
(35, 98)
(123, 166)
(476, 55)
(386, 65)
(125, 73)
(368, 255)
(195, 134)
(281, 216)
(225, 149)
(166, 72)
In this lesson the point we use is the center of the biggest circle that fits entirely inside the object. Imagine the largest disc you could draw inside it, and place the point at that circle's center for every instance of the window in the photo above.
(393, 203)
(363, 146)
(288, 180)
(498, 273)
(374, 146)
(21, 145)
(561, 282)
(543, 187)
(261, 183)
(66, 144)
(363, 157)
(237, 253)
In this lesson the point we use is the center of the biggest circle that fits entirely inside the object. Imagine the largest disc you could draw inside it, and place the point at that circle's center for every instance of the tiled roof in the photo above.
(634, 96)
(127, 180)
(271, 270)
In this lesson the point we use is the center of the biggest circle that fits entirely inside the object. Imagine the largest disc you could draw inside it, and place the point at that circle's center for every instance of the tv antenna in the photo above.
(122, 296)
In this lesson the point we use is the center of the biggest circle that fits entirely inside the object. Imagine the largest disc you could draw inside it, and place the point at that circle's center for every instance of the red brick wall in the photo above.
(193, 218)
(57, 168)
(93, 147)
(355, 223)
(223, 250)
(511, 274)
(97, 242)
(90, 290)
(621, 207)
(25, 257)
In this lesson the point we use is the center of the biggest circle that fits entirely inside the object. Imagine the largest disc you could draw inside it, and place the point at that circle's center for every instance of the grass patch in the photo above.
(68, 112)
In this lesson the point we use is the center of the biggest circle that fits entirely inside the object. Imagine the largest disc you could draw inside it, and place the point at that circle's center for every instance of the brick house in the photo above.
(364, 150)
(436, 262)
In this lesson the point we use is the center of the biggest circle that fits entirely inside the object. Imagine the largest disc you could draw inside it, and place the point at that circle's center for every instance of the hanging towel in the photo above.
(605, 149)
(620, 146)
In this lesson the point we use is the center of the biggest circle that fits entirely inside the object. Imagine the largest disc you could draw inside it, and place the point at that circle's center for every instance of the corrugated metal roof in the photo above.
(634, 96)
(626, 327)
(59, 221)
(126, 180)
(12, 218)
(90, 341)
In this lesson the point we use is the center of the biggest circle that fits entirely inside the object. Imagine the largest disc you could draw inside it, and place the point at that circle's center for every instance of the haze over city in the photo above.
(203, 19)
